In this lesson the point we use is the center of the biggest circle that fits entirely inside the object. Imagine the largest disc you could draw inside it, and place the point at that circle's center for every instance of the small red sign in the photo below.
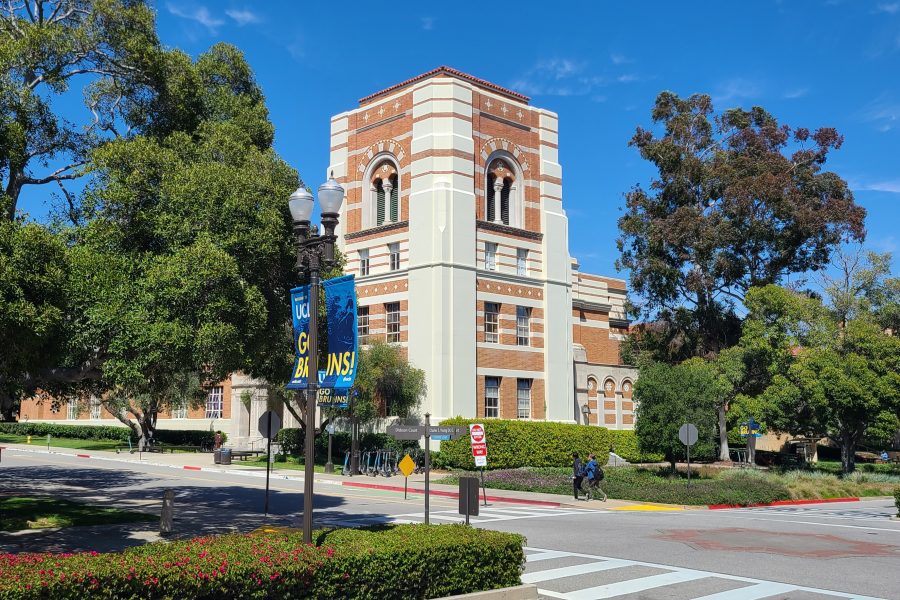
(479, 444)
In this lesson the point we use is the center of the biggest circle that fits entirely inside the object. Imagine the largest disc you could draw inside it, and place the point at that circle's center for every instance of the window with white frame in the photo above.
(394, 253)
(72, 410)
(492, 397)
(491, 322)
(95, 409)
(521, 261)
(179, 411)
(362, 324)
(523, 398)
(490, 256)
(392, 320)
(214, 403)
(523, 325)
(363, 262)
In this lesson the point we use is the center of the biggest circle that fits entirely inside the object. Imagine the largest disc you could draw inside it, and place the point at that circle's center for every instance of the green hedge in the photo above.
(407, 561)
(512, 444)
(625, 444)
(187, 437)
(897, 499)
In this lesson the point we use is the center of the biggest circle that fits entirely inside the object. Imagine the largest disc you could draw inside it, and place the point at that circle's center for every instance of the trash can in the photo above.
(217, 456)
(225, 456)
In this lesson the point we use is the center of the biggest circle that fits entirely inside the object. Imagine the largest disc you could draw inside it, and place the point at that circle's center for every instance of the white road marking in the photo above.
(894, 530)
(754, 590)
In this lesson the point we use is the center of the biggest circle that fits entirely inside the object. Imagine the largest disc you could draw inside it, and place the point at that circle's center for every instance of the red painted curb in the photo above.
(783, 503)
(190, 468)
(83, 455)
(397, 488)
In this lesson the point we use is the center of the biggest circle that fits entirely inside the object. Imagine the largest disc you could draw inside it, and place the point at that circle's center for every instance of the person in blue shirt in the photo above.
(577, 473)
(594, 475)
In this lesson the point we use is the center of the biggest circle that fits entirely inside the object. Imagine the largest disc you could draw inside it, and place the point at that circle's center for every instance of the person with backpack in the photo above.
(577, 473)
(594, 475)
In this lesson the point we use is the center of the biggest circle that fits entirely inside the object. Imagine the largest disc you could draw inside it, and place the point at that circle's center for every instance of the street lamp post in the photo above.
(314, 252)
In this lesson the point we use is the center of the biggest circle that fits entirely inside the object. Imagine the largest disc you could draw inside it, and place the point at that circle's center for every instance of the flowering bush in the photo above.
(411, 561)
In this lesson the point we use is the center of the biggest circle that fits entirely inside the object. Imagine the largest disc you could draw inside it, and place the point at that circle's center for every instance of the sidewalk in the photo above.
(204, 462)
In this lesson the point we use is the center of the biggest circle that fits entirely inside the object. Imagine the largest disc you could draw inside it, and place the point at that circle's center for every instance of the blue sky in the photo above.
(599, 65)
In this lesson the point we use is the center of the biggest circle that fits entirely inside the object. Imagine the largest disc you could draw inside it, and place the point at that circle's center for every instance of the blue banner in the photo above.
(340, 305)
(300, 317)
(339, 370)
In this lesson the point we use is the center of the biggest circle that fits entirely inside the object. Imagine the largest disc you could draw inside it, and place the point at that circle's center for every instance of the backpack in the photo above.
(600, 474)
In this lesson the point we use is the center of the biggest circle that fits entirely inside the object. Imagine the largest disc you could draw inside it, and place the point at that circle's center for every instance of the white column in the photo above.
(388, 186)
(498, 203)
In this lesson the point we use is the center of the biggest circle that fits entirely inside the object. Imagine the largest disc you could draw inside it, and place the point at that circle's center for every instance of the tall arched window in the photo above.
(384, 194)
(502, 191)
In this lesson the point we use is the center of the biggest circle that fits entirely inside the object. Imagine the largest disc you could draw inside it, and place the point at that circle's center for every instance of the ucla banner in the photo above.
(340, 305)
(300, 317)
(339, 370)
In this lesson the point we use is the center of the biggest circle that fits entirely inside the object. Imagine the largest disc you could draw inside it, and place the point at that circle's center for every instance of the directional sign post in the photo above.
(687, 433)
(269, 426)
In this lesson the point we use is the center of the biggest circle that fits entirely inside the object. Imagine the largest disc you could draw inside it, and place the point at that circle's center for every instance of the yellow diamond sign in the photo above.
(407, 466)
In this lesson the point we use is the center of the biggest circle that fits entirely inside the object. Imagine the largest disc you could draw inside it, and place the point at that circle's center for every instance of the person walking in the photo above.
(577, 473)
(594, 475)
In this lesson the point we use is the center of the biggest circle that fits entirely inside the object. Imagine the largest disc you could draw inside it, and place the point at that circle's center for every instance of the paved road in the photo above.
(847, 550)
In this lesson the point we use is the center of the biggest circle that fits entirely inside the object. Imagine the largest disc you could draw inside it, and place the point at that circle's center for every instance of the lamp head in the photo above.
(301, 205)
(331, 196)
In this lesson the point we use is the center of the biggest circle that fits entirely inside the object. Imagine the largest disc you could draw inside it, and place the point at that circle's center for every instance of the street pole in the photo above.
(427, 461)
(268, 460)
(329, 466)
(312, 378)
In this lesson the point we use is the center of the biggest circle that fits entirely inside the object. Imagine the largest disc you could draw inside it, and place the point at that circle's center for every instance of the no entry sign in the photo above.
(479, 444)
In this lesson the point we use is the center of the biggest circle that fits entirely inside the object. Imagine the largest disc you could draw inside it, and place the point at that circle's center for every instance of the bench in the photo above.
(162, 448)
(243, 454)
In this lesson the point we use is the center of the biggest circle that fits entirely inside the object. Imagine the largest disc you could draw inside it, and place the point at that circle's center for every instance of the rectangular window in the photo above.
(392, 319)
(492, 397)
(72, 410)
(362, 324)
(490, 256)
(522, 261)
(394, 250)
(364, 262)
(523, 398)
(523, 325)
(95, 409)
(214, 403)
(491, 322)
(179, 411)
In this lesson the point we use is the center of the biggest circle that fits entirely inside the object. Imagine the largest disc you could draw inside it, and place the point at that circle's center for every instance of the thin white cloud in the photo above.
(620, 59)
(883, 113)
(891, 187)
(199, 14)
(736, 89)
(796, 93)
(891, 8)
(243, 17)
(428, 23)
(627, 78)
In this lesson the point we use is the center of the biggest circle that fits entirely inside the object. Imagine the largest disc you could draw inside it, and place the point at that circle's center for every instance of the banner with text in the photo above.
(300, 317)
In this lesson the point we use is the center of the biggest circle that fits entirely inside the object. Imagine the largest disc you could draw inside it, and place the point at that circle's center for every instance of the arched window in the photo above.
(502, 190)
(609, 388)
(384, 194)
(592, 387)
(627, 389)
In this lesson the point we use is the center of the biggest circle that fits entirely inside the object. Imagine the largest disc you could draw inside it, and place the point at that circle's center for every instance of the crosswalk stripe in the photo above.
(752, 592)
(538, 556)
(548, 574)
(633, 586)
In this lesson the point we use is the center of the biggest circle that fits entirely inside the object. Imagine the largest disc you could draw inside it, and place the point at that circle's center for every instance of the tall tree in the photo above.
(44, 47)
(739, 201)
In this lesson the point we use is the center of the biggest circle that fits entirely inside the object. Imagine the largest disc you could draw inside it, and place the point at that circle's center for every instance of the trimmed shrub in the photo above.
(512, 444)
(407, 561)
(187, 437)
(897, 499)
(625, 444)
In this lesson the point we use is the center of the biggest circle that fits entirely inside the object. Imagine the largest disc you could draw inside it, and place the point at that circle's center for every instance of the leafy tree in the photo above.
(826, 378)
(44, 47)
(862, 285)
(386, 384)
(731, 208)
(669, 396)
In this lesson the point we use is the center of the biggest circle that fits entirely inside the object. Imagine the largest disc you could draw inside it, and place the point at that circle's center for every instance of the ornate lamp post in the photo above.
(314, 252)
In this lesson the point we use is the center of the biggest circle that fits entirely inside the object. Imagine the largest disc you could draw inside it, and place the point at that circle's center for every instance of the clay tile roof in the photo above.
(444, 70)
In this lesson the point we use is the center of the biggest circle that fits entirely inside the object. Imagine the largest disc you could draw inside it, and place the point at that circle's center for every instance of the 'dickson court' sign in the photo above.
(339, 371)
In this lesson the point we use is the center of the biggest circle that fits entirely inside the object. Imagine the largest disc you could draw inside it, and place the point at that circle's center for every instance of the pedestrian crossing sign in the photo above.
(407, 466)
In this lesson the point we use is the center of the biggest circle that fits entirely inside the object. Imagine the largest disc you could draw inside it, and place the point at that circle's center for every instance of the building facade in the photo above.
(454, 226)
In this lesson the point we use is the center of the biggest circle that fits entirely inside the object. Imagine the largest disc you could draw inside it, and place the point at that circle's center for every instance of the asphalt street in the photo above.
(846, 550)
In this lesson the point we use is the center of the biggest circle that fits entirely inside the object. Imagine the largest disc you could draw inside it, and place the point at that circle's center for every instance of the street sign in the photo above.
(688, 434)
(269, 428)
(406, 432)
(479, 444)
(407, 465)
(330, 428)
(468, 497)
(447, 432)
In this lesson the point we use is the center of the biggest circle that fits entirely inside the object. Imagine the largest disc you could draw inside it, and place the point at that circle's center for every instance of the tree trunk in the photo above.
(848, 453)
(724, 454)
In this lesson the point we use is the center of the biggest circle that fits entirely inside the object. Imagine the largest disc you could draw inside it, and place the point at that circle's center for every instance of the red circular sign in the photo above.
(477, 433)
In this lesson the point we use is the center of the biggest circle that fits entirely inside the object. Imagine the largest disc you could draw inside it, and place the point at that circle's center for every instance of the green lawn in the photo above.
(42, 512)
(292, 463)
(55, 442)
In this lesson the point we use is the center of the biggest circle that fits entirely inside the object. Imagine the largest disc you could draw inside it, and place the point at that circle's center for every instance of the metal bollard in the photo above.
(168, 510)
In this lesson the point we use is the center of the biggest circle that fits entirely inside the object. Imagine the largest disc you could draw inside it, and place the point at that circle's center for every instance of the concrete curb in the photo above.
(782, 503)
(519, 592)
